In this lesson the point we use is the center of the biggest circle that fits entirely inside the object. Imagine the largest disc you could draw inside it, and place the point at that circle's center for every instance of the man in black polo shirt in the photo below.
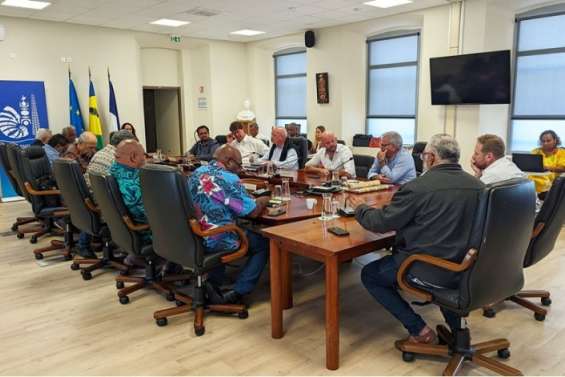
(433, 215)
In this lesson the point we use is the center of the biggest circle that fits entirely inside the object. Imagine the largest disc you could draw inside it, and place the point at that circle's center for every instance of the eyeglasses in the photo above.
(423, 154)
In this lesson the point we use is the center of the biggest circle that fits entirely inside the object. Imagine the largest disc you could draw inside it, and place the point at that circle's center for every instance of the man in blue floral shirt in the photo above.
(219, 199)
(130, 157)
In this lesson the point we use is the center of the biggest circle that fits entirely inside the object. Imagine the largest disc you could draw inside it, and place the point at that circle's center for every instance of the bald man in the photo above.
(219, 199)
(332, 156)
(70, 133)
(83, 150)
(282, 153)
(130, 157)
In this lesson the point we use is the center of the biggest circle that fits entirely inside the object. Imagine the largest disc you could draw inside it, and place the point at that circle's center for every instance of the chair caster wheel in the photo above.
(503, 353)
(33, 239)
(489, 313)
(539, 317)
(408, 357)
(119, 284)
(243, 314)
(179, 303)
(124, 300)
(20, 235)
(74, 266)
(545, 301)
(86, 275)
(170, 296)
(199, 331)
(161, 322)
(39, 256)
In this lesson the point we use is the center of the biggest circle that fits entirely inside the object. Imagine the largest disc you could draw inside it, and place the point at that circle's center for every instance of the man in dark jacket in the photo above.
(204, 148)
(432, 215)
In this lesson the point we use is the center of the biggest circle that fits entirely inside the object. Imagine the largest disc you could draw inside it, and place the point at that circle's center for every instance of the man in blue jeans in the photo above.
(219, 199)
(433, 215)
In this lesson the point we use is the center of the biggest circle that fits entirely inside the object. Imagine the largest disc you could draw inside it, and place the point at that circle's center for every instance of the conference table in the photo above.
(301, 232)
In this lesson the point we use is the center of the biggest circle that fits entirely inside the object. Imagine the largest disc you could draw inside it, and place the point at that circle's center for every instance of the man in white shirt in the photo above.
(282, 153)
(246, 144)
(330, 157)
(488, 161)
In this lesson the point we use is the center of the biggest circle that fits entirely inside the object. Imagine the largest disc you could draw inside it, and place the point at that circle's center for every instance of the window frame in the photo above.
(539, 13)
(276, 55)
(388, 36)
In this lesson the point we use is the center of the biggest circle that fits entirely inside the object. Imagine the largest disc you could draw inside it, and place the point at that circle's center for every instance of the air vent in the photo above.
(202, 12)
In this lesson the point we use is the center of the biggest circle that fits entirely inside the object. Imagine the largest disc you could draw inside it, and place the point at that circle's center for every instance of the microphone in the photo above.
(341, 165)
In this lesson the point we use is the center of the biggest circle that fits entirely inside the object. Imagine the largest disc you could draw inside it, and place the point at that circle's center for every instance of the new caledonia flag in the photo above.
(94, 124)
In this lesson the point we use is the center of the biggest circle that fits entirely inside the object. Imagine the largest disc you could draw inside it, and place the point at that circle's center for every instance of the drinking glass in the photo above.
(269, 170)
(335, 177)
(326, 207)
(335, 206)
(277, 192)
(285, 189)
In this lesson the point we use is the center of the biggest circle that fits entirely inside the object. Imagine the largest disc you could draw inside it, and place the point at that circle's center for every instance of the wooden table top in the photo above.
(311, 235)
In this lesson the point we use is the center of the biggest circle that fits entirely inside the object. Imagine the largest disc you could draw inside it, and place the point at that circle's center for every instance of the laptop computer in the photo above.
(529, 162)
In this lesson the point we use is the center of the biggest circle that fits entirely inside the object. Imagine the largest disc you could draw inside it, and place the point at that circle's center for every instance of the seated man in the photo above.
(219, 199)
(332, 156)
(83, 150)
(393, 163)
(105, 157)
(282, 154)
(432, 214)
(130, 157)
(55, 147)
(42, 137)
(247, 145)
(254, 132)
(70, 133)
(488, 161)
(205, 147)
(293, 129)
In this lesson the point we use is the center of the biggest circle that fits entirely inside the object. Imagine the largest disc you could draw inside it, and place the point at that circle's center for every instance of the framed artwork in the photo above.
(322, 91)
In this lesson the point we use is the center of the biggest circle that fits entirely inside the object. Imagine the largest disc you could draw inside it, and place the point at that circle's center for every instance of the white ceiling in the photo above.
(275, 17)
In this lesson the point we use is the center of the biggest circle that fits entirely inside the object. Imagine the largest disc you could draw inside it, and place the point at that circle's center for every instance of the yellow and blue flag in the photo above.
(94, 124)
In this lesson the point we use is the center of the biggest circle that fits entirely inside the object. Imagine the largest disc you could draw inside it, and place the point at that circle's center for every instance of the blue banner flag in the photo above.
(75, 116)
(114, 117)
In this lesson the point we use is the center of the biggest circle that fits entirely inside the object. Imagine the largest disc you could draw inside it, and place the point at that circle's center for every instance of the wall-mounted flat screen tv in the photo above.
(482, 78)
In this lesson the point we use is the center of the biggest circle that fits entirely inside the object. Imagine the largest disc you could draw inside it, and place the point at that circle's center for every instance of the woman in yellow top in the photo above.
(553, 159)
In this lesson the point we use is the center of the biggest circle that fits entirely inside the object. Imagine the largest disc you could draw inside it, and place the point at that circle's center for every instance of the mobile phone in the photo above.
(340, 232)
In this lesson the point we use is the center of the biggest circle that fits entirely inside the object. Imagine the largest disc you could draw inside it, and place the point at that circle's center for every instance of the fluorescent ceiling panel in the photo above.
(29, 4)
(387, 3)
(168, 22)
(247, 32)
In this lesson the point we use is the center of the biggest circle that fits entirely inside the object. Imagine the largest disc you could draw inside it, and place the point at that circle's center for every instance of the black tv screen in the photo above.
(471, 79)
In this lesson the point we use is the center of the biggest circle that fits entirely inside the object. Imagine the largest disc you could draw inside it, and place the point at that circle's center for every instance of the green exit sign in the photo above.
(175, 38)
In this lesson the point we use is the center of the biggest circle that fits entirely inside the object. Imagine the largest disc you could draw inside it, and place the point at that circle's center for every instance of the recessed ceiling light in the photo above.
(168, 22)
(387, 3)
(30, 4)
(247, 32)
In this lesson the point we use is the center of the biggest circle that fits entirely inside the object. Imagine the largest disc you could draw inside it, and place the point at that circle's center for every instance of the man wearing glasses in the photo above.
(219, 199)
(393, 163)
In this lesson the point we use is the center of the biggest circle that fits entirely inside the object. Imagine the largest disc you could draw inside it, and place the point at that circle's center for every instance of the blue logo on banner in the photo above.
(23, 111)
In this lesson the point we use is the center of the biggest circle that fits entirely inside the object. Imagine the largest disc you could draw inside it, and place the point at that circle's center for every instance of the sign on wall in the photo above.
(23, 110)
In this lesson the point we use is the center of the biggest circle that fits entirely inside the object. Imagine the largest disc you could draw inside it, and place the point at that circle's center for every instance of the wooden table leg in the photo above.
(286, 275)
(276, 291)
(332, 313)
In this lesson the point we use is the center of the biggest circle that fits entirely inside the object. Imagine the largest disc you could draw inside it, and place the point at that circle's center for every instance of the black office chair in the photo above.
(363, 164)
(221, 139)
(342, 142)
(505, 208)
(416, 155)
(85, 216)
(8, 169)
(177, 237)
(548, 225)
(33, 168)
(300, 144)
(127, 236)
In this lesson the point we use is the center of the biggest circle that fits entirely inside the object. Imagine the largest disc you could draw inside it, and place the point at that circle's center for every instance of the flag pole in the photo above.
(108, 73)
(89, 74)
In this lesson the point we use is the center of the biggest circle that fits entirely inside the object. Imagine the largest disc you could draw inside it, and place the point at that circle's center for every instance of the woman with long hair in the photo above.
(317, 139)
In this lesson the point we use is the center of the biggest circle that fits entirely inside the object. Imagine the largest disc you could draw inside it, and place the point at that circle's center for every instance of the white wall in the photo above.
(160, 67)
(38, 47)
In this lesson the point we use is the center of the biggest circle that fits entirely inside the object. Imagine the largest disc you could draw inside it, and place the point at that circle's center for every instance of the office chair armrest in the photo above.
(133, 226)
(61, 213)
(537, 230)
(35, 192)
(434, 261)
(91, 206)
(244, 242)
